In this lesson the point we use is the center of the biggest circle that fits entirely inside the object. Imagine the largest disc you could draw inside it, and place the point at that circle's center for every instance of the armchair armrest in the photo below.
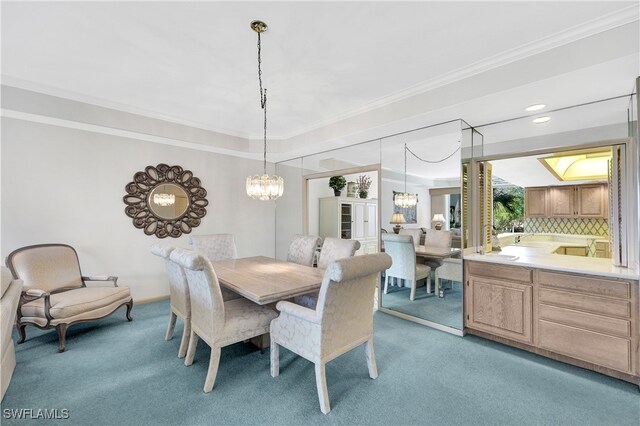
(102, 278)
(298, 311)
(31, 294)
(35, 292)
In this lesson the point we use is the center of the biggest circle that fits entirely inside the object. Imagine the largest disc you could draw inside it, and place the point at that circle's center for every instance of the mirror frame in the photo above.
(137, 201)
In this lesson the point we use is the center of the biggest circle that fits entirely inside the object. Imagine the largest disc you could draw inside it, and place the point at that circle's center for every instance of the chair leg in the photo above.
(191, 352)
(129, 307)
(185, 338)
(412, 296)
(171, 326)
(371, 358)
(437, 284)
(62, 336)
(21, 332)
(212, 372)
(386, 283)
(275, 358)
(321, 384)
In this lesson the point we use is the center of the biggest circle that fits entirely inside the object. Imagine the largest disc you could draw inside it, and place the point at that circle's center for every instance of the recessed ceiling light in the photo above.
(536, 107)
(541, 120)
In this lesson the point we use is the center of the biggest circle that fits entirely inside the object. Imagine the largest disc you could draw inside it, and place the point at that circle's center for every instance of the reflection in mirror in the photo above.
(168, 201)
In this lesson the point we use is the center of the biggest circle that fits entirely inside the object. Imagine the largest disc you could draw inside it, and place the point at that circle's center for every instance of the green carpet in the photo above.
(446, 311)
(115, 372)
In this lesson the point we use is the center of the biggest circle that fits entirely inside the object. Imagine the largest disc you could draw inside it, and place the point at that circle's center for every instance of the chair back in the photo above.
(47, 267)
(435, 238)
(302, 249)
(345, 303)
(207, 306)
(415, 233)
(335, 249)
(178, 287)
(215, 246)
(403, 253)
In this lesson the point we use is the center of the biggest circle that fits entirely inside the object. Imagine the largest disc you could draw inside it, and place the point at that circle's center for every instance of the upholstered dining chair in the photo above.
(216, 247)
(55, 294)
(342, 321)
(435, 238)
(403, 252)
(332, 249)
(180, 302)
(415, 233)
(219, 323)
(302, 249)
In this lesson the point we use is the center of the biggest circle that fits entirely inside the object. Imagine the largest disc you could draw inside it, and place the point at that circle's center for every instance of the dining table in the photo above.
(436, 252)
(265, 280)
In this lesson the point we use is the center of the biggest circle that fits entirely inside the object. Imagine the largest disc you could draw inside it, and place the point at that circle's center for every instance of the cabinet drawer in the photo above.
(599, 323)
(494, 270)
(597, 348)
(597, 286)
(598, 305)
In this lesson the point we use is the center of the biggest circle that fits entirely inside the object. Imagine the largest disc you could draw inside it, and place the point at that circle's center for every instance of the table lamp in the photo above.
(439, 219)
(397, 219)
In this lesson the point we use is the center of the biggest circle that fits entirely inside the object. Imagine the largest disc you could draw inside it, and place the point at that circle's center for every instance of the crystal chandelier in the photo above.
(404, 199)
(164, 200)
(265, 187)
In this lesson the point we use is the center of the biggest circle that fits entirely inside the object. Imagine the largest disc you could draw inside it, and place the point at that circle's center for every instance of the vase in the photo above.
(351, 189)
(363, 194)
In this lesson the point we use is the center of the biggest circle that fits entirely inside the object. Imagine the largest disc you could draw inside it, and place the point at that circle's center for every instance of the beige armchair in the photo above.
(11, 290)
(55, 294)
(219, 323)
(342, 321)
(180, 306)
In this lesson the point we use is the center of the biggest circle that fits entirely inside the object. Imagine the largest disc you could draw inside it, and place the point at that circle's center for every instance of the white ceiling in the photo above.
(195, 62)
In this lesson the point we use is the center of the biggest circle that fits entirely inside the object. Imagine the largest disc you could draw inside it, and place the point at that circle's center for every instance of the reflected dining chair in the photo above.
(180, 306)
(219, 323)
(342, 321)
(415, 233)
(55, 293)
(332, 249)
(302, 249)
(403, 252)
(451, 269)
(436, 239)
(216, 247)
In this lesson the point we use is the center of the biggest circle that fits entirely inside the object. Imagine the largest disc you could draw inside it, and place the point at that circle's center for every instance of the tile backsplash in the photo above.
(561, 225)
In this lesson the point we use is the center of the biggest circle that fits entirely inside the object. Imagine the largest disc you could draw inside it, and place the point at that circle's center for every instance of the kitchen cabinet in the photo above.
(350, 218)
(569, 201)
(581, 319)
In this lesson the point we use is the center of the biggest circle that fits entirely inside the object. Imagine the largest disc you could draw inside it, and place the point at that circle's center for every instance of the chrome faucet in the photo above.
(519, 237)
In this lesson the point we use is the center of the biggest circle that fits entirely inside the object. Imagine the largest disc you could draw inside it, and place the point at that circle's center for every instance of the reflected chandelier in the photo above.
(263, 187)
(404, 199)
(164, 199)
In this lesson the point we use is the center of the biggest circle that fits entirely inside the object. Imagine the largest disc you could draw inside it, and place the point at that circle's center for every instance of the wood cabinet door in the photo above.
(359, 217)
(535, 202)
(561, 201)
(371, 222)
(591, 201)
(500, 307)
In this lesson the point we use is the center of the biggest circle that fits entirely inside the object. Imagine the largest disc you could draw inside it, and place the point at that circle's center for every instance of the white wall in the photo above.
(65, 185)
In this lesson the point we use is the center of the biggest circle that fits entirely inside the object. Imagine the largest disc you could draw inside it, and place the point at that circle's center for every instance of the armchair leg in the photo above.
(21, 332)
(129, 307)
(321, 384)
(62, 336)
(185, 338)
(214, 361)
(275, 358)
(191, 352)
(371, 358)
(171, 326)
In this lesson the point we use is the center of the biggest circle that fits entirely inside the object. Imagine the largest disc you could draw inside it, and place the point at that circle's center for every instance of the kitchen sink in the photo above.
(502, 256)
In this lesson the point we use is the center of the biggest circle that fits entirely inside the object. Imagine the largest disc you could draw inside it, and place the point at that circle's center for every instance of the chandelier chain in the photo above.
(428, 161)
(405, 168)
(263, 105)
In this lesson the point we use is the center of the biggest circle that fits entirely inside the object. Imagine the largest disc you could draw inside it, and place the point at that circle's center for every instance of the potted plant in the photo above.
(337, 183)
(364, 183)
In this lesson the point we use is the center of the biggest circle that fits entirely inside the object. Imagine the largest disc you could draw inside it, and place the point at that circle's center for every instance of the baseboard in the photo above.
(150, 300)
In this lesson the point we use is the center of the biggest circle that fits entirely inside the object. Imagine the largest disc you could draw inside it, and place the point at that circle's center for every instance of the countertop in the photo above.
(541, 257)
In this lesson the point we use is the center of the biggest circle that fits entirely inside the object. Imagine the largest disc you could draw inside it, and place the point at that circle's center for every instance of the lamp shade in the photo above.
(397, 218)
(438, 217)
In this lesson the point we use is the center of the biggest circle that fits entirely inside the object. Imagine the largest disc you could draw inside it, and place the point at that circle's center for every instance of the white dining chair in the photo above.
(451, 269)
(436, 239)
(403, 252)
(332, 249)
(180, 303)
(216, 321)
(302, 249)
(416, 234)
(342, 321)
(216, 247)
